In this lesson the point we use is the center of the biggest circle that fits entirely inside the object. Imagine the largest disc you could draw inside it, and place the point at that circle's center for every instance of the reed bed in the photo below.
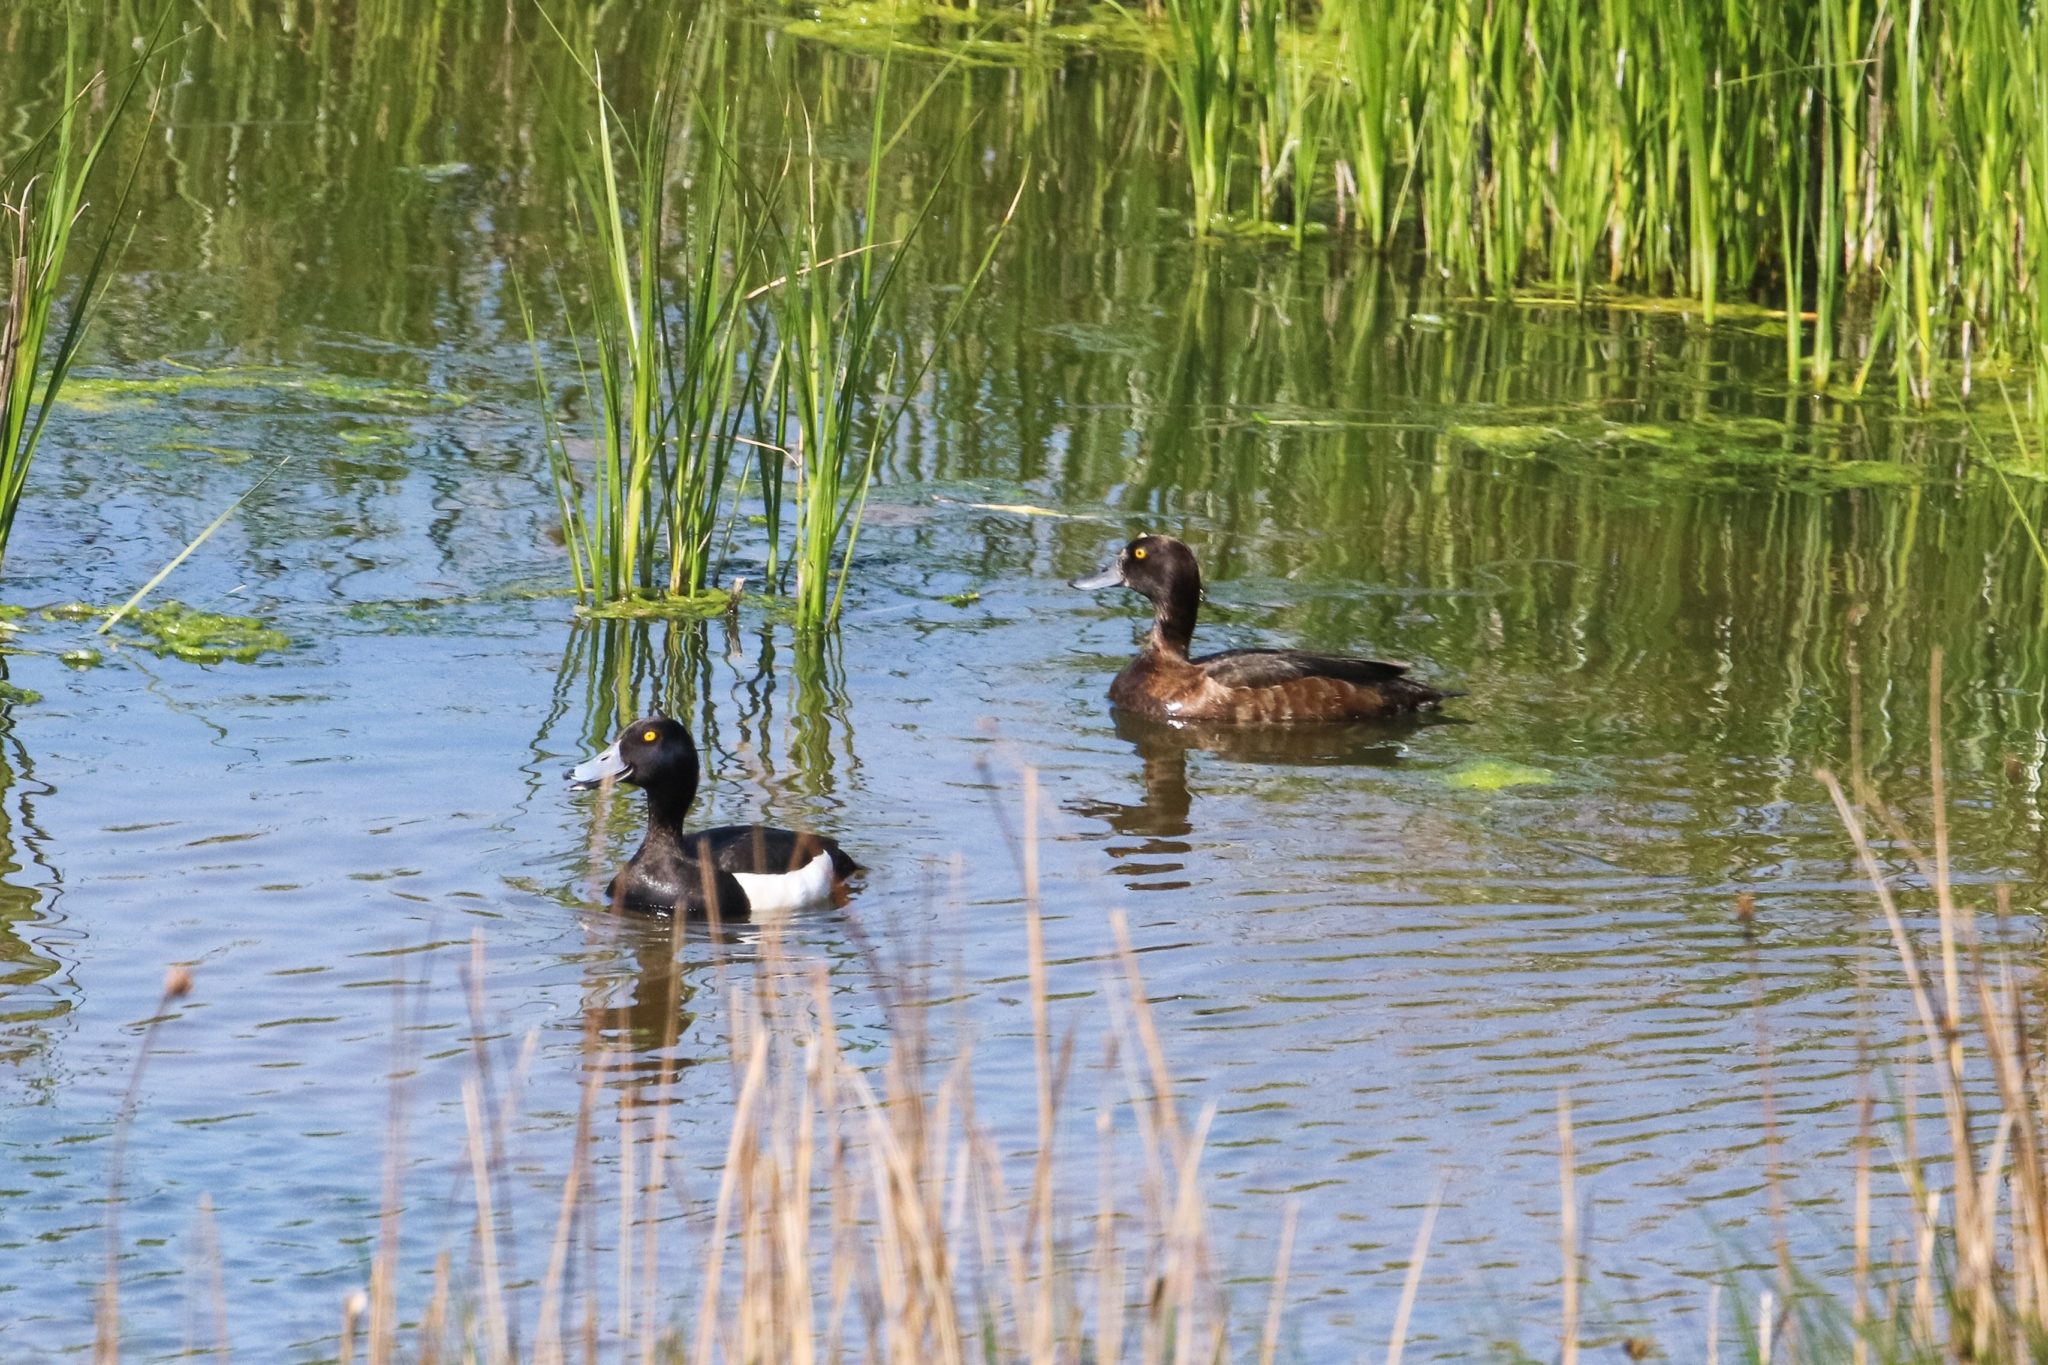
(667, 330)
(1876, 171)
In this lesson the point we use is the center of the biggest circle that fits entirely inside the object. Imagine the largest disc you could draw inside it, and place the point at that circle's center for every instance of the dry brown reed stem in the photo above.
(381, 1333)
(755, 1080)
(547, 1343)
(1041, 1052)
(1774, 1175)
(1988, 1300)
(1859, 1301)
(1936, 1032)
(866, 1191)
(629, 1187)
(209, 1254)
(493, 1287)
(1276, 1300)
(1568, 1232)
(107, 1324)
(434, 1326)
(1109, 1279)
(1411, 1284)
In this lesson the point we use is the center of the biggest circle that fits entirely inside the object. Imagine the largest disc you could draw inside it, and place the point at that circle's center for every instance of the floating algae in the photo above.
(1508, 439)
(176, 631)
(204, 637)
(101, 393)
(1493, 774)
(12, 695)
(702, 606)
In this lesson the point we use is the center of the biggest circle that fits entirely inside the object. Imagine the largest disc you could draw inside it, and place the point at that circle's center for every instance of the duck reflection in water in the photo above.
(639, 999)
(1158, 830)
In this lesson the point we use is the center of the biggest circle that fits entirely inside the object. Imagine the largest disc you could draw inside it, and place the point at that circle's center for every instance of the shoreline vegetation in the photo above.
(862, 1209)
(1877, 172)
(1873, 175)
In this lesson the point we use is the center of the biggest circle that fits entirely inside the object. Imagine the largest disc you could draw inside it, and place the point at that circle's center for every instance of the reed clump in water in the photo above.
(42, 201)
(743, 335)
(663, 355)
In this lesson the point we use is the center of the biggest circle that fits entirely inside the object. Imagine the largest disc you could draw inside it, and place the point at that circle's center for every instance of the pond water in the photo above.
(1670, 586)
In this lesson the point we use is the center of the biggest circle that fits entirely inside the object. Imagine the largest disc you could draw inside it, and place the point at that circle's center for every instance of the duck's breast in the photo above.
(1170, 689)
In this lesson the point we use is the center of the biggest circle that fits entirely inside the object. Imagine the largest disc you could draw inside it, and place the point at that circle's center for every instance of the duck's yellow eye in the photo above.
(1138, 553)
(647, 736)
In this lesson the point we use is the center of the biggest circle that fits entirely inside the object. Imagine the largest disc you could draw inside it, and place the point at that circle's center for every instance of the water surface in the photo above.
(1670, 587)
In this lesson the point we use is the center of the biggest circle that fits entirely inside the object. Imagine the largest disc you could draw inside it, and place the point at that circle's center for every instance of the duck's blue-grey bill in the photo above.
(592, 771)
(1111, 577)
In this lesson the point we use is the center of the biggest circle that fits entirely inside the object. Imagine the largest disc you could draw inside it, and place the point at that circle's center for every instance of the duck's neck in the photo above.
(665, 812)
(1173, 622)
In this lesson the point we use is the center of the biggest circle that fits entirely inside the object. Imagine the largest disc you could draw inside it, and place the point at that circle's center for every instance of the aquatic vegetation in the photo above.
(842, 383)
(669, 429)
(177, 631)
(260, 383)
(1494, 774)
(774, 347)
(43, 197)
(1201, 62)
(836, 359)
(172, 630)
(660, 606)
(1509, 438)
(170, 567)
(1879, 178)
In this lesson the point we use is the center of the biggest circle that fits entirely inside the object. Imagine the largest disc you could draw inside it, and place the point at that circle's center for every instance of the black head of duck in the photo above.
(1240, 686)
(736, 871)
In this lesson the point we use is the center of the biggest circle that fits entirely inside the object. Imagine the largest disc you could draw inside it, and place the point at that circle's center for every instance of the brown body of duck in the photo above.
(1245, 686)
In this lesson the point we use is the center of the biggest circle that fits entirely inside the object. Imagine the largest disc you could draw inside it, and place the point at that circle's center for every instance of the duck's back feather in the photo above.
(1277, 667)
(738, 870)
(764, 850)
(1268, 687)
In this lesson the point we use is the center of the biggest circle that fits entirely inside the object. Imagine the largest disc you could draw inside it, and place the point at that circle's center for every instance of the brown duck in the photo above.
(1248, 686)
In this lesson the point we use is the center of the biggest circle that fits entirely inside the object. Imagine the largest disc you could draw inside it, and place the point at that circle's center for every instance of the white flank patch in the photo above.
(788, 890)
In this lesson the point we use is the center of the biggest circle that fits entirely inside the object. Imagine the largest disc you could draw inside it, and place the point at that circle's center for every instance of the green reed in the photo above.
(1201, 63)
(842, 380)
(1375, 106)
(1877, 169)
(666, 354)
(744, 327)
(838, 363)
(42, 197)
